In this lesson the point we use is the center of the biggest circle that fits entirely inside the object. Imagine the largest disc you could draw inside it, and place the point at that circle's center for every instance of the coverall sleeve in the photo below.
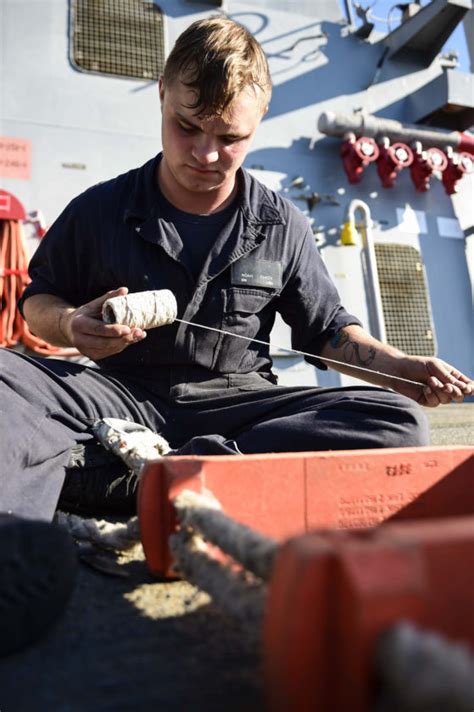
(64, 262)
(310, 302)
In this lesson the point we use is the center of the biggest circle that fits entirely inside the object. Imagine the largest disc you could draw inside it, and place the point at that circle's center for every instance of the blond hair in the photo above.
(217, 58)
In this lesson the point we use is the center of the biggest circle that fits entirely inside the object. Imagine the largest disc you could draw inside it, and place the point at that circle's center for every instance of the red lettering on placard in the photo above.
(15, 158)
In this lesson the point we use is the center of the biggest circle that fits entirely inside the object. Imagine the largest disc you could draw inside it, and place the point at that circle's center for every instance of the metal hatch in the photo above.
(119, 37)
(405, 301)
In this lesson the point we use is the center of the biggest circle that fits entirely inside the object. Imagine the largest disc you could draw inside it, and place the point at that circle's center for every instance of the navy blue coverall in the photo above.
(205, 392)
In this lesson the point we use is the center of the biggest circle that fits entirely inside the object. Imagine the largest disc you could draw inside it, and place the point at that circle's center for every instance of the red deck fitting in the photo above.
(332, 594)
(286, 494)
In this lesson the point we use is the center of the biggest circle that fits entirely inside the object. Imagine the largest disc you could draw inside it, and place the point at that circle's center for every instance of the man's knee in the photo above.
(8, 361)
(5, 358)
(414, 428)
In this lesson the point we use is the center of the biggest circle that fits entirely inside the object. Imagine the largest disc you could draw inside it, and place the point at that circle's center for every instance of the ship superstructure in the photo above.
(367, 132)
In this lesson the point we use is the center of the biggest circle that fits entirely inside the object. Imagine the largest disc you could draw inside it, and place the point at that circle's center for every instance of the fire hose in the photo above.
(13, 279)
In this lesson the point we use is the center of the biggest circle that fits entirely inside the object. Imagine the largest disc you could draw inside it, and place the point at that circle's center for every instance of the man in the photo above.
(233, 253)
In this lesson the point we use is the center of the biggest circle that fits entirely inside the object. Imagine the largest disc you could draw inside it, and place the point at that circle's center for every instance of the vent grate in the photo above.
(119, 37)
(405, 301)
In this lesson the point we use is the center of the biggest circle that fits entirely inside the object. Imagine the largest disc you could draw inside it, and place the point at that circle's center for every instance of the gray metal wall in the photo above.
(85, 128)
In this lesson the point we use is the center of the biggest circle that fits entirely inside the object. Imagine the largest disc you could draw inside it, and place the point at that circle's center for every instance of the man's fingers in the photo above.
(447, 374)
(463, 382)
(452, 392)
(114, 337)
(138, 335)
(96, 304)
(452, 388)
(459, 380)
(85, 324)
(429, 398)
(442, 392)
(443, 382)
(97, 349)
(89, 326)
(134, 336)
(434, 382)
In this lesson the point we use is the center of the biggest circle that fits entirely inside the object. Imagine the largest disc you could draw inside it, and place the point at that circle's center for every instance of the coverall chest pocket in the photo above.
(245, 312)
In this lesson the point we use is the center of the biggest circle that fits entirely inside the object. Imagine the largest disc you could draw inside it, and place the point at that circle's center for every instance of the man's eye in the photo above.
(230, 139)
(186, 129)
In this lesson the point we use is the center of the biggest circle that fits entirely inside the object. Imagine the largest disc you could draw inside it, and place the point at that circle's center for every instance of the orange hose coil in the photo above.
(13, 280)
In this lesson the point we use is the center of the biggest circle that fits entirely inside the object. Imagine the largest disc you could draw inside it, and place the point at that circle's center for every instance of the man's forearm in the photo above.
(44, 314)
(355, 347)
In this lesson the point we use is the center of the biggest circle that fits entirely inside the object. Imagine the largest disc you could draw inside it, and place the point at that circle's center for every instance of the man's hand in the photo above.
(444, 383)
(84, 329)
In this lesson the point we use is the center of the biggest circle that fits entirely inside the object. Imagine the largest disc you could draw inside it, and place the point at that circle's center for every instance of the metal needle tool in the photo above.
(302, 353)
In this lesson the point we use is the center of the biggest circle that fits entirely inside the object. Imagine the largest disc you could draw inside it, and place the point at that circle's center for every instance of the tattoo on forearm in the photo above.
(351, 349)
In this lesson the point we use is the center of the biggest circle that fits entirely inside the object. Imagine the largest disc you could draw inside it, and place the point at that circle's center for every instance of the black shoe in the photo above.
(97, 483)
(38, 564)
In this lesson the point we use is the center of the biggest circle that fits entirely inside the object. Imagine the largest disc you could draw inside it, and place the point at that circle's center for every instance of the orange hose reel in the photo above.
(13, 280)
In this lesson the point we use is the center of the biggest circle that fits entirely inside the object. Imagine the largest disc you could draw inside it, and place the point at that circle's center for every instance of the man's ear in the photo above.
(161, 90)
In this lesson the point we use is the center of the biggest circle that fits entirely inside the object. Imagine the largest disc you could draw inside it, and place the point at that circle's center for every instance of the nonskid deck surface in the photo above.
(452, 424)
(133, 642)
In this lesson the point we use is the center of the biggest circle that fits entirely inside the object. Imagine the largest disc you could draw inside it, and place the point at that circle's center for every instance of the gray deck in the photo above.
(452, 424)
(136, 644)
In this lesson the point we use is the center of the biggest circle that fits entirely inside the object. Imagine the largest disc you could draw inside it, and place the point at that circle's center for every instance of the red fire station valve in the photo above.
(356, 156)
(458, 165)
(392, 159)
(425, 163)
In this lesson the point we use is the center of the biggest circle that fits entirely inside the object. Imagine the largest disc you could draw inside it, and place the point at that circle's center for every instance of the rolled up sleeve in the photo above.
(310, 303)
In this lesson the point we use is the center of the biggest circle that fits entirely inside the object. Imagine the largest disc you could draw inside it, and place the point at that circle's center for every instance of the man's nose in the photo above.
(205, 150)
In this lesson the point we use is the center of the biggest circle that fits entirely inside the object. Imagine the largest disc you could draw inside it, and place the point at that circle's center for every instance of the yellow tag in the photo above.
(349, 233)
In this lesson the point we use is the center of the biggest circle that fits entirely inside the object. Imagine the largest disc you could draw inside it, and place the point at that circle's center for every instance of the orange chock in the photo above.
(281, 495)
(333, 593)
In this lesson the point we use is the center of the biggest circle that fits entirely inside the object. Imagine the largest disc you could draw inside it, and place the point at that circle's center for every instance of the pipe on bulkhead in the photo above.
(348, 234)
(361, 124)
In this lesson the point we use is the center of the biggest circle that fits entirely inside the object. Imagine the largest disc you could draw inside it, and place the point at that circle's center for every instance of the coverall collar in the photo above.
(256, 204)
(239, 237)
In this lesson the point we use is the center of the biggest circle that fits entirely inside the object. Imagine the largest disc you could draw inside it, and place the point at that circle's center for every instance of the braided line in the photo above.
(254, 552)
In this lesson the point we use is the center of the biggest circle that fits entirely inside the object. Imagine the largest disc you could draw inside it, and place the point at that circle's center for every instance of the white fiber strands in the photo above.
(135, 444)
(249, 548)
(143, 310)
(114, 535)
(237, 593)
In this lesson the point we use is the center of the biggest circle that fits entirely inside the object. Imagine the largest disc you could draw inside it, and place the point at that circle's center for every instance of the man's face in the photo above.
(202, 156)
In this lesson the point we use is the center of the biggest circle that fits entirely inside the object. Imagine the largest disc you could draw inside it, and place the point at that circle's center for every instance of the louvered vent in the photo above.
(119, 37)
(405, 299)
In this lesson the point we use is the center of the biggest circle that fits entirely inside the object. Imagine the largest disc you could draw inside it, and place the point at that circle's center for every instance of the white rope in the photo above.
(241, 593)
(253, 551)
(420, 671)
(113, 535)
(135, 444)
(144, 310)
(234, 592)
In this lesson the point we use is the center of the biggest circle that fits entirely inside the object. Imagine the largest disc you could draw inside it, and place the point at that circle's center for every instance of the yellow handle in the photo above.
(349, 233)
